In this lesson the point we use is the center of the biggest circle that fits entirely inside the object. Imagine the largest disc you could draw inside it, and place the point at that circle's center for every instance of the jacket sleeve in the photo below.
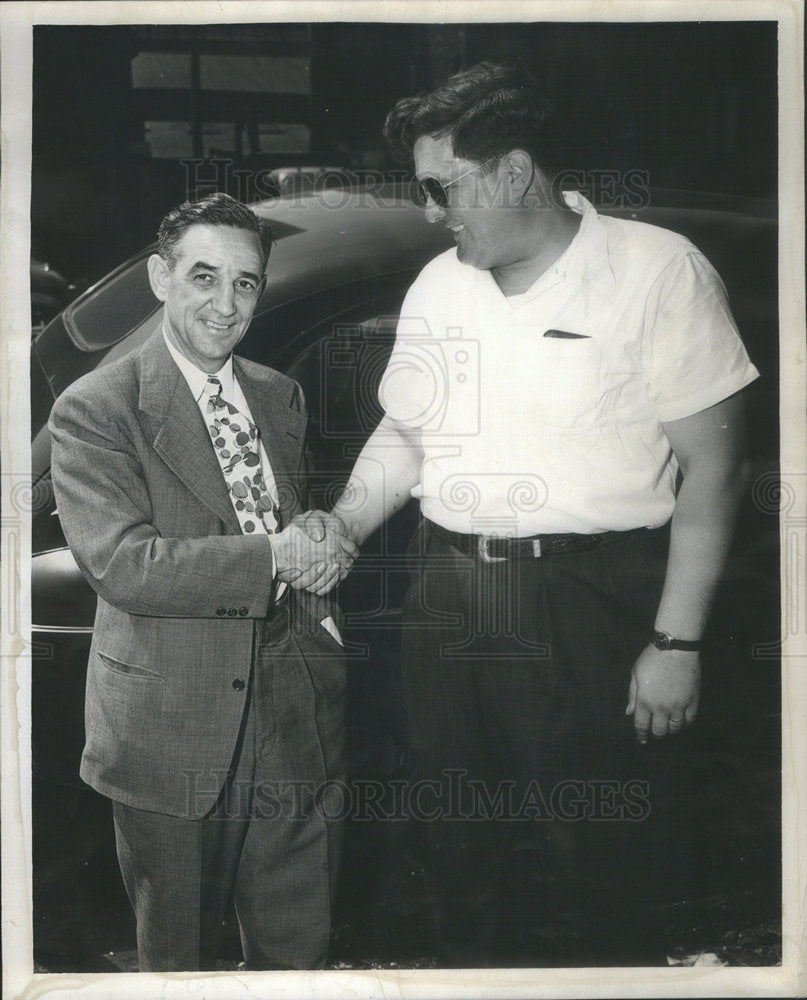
(106, 513)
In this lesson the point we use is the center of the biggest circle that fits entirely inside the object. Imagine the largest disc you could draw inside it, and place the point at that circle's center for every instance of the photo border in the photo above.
(16, 37)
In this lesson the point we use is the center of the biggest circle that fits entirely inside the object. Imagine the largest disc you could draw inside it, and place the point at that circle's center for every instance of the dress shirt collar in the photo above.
(591, 242)
(197, 379)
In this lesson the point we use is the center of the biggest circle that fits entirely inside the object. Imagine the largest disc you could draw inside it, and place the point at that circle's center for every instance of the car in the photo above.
(343, 260)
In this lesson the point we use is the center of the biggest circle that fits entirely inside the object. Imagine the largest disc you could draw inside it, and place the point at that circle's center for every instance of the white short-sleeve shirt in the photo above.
(542, 412)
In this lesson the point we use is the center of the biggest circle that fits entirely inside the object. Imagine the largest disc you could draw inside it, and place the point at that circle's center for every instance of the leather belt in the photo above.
(493, 548)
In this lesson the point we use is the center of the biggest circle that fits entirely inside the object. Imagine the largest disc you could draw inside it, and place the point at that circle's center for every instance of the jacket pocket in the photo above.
(129, 669)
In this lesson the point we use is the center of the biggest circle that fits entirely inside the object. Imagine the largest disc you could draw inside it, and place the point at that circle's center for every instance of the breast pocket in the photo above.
(568, 381)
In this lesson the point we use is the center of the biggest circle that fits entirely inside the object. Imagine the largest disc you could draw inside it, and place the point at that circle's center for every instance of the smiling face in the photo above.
(476, 212)
(210, 292)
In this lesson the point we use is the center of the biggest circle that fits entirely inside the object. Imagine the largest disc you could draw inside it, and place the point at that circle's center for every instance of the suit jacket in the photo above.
(146, 512)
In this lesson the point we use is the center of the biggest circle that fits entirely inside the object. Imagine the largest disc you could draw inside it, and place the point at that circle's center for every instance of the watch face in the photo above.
(662, 640)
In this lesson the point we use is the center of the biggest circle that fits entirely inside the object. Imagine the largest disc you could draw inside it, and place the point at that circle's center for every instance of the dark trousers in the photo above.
(516, 682)
(272, 840)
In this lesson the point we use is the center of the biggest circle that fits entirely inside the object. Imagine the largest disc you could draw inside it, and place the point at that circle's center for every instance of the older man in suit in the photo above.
(216, 683)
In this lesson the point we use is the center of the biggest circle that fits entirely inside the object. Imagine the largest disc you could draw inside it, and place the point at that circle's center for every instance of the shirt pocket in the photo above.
(568, 381)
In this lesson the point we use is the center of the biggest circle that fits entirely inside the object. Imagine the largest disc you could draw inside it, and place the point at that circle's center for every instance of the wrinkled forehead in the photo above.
(220, 246)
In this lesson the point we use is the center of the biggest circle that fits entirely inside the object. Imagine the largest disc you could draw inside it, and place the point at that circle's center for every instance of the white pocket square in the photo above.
(330, 626)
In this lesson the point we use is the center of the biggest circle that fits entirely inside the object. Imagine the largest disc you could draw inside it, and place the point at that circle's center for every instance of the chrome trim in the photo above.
(64, 629)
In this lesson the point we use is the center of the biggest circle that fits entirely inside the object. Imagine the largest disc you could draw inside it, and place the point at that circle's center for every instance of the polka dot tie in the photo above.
(235, 439)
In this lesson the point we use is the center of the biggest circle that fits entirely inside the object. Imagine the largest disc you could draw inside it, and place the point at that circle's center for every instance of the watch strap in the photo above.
(663, 640)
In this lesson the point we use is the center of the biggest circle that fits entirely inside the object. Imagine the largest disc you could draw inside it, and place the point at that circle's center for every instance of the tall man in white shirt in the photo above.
(216, 683)
(564, 400)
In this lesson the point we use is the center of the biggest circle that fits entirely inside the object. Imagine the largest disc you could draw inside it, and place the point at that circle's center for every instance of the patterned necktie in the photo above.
(235, 440)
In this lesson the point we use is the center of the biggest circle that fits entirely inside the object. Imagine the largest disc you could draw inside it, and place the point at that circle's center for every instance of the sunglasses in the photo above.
(430, 187)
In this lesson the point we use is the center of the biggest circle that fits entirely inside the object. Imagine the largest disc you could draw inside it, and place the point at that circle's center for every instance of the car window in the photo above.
(340, 372)
(114, 307)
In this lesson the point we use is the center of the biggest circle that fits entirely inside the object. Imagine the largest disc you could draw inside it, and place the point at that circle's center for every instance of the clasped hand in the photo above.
(314, 552)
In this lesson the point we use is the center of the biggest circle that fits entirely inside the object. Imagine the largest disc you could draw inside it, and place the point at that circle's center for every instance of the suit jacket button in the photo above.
(238, 684)
(232, 612)
(221, 612)
(243, 612)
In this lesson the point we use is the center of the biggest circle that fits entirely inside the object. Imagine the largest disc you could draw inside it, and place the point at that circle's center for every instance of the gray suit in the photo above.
(184, 598)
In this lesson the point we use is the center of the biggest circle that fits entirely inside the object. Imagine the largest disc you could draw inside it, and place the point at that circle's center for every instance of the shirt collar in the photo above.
(589, 251)
(591, 240)
(197, 379)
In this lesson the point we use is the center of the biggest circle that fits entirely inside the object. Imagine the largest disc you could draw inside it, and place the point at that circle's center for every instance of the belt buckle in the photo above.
(484, 554)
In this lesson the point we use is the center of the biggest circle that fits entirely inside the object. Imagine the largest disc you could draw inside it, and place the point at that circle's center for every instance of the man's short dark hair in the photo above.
(214, 210)
(486, 111)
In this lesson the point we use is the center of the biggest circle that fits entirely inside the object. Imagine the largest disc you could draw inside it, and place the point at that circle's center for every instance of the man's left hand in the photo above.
(664, 692)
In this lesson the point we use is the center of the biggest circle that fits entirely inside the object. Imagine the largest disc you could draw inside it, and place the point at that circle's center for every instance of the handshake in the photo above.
(314, 552)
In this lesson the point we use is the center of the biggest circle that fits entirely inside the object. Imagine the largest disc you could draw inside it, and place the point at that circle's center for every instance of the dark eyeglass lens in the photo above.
(430, 187)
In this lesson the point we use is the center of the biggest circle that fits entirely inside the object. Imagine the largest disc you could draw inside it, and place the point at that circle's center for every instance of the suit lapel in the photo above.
(181, 438)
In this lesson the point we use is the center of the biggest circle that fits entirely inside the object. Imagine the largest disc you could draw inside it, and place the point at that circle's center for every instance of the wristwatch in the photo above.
(663, 640)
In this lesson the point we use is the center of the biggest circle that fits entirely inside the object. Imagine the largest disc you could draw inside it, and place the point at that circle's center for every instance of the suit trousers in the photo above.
(535, 795)
(271, 843)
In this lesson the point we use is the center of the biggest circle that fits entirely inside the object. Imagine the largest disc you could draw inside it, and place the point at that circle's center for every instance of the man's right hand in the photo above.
(313, 552)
